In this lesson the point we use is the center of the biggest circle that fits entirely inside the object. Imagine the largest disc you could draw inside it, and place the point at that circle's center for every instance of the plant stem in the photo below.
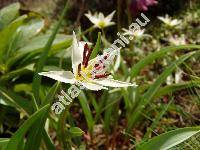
(88, 30)
(66, 145)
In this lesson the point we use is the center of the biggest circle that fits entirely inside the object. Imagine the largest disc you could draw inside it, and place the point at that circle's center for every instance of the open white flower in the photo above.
(135, 34)
(99, 20)
(175, 40)
(87, 73)
(170, 22)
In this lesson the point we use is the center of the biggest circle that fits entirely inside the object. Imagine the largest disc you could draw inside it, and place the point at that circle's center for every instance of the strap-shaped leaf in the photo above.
(170, 139)
(18, 136)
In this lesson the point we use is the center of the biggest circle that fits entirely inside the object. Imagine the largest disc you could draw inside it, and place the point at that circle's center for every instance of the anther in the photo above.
(86, 48)
(88, 56)
(99, 76)
(79, 69)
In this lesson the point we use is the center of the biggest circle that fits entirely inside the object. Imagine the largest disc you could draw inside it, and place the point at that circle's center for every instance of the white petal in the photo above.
(110, 16)
(77, 50)
(109, 23)
(93, 86)
(62, 76)
(114, 83)
(77, 53)
(101, 16)
(92, 18)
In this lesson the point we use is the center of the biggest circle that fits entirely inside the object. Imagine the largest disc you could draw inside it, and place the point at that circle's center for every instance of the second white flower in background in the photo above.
(99, 20)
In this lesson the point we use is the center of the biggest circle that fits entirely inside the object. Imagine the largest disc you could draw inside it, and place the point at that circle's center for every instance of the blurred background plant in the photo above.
(163, 59)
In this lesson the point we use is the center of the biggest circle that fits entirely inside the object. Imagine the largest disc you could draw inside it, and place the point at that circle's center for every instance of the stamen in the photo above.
(88, 56)
(79, 69)
(102, 75)
(86, 48)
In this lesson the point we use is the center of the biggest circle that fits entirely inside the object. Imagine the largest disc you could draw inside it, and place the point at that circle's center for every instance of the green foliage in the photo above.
(95, 119)
(170, 139)
(15, 141)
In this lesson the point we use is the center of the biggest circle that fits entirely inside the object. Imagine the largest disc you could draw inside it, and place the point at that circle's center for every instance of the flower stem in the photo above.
(88, 30)
(64, 139)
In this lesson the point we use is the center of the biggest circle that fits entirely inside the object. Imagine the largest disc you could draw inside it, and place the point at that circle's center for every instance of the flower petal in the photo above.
(93, 86)
(101, 16)
(77, 53)
(62, 76)
(92, 18)
(110, 16)
(114, 83)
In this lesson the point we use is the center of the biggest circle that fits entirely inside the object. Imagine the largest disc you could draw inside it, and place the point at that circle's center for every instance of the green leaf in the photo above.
(40, 64)
(15, 73)
(135, 70)
(15, 100)
(175, 87)
(35, 134)
(20, 133)
(7, 34)
(38, 43)
(148, 96)
(50, 96)
(31, 27)
(170, 139)
(3, 143)
(8, 14)
(35, 46)
(48, 142)
(75, 131)
(86, 110)
(97, 47)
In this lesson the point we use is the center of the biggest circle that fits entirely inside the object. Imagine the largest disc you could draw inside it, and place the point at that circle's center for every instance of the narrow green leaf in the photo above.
(15, 100)
(147, 97)
(3, 143)
(50, 96)
(20, 133)
(170, 139)
(175, 87)
(157, 119)
(14, 73)
(86, 110)
(135, 70)
(35, 135)
(97, 47)
(48, 142)
(40, 64)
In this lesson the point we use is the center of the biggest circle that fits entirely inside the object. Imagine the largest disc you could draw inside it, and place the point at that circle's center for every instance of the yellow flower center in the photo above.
(101, 24)
(85, 73)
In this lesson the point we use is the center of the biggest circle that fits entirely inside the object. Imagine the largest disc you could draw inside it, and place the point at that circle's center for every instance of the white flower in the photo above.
(177, 40)
(86, 73)
(169, 80)
(137, 33)
(178, 76)
(99, 20)
(170, 22)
